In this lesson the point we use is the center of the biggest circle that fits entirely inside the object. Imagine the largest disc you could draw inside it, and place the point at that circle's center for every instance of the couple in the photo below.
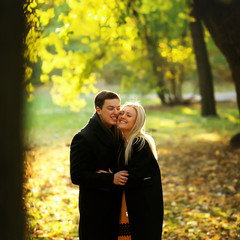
(114, 163)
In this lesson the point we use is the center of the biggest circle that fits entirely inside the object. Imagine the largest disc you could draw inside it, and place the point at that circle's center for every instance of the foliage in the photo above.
(163, 29)
(75, 40)
(31, 40)
(200, 171)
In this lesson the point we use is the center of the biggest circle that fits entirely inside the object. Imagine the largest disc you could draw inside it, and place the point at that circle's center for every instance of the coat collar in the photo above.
(96, 123)
(112, 135)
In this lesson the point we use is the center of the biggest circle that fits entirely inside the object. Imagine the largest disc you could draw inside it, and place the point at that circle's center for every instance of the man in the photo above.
(92, 158)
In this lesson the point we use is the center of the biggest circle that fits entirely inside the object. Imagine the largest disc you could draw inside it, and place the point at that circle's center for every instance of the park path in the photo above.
(219, 97)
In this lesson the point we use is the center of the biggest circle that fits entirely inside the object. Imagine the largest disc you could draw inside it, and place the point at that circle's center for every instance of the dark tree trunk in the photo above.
(11, 70)
(235, 68)
(204, 70)
(158, 69)
(222, 18)
(158, 62)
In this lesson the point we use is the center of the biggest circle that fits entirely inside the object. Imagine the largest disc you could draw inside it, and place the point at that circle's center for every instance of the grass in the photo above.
(46, 123)
(200, 171)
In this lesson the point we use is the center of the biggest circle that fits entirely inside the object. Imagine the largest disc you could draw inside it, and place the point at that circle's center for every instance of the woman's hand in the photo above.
(120, 178)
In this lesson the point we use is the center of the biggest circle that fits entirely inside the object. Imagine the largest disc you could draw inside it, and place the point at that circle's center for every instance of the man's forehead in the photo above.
(112, 102)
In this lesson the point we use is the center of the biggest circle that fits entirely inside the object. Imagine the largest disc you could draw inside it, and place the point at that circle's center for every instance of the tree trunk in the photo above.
(235, 68)
(204, 70)
(157, 61)
(223, 22)
(11, 68)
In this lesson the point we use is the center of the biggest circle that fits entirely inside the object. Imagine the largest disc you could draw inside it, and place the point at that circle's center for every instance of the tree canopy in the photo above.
(76, 39)
(145, 44)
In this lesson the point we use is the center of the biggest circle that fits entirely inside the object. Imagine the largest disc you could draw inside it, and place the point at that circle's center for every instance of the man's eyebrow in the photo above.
(112, 106)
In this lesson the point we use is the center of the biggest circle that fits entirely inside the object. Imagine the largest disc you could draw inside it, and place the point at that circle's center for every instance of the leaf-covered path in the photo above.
(201, 182)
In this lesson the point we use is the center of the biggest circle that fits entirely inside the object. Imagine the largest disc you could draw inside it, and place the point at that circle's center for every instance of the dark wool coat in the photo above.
(92, 149)
(143, 193)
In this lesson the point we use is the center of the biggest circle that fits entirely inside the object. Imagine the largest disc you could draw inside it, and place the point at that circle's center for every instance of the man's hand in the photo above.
(101, 171)
(120, 178)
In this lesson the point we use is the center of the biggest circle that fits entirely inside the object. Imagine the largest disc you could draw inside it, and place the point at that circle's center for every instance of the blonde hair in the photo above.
(138, 132)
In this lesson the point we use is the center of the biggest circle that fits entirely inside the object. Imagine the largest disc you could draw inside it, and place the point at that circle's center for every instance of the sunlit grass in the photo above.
(47, 122)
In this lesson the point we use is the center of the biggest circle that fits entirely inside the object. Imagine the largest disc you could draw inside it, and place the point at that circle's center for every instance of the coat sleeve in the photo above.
(139, 166)
(81, 167)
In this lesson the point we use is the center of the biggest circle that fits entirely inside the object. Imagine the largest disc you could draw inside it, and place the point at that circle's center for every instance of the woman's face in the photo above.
(127, 119)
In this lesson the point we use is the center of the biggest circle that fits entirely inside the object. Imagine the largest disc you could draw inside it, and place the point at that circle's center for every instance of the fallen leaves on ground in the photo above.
(201, 183)
(51, 199)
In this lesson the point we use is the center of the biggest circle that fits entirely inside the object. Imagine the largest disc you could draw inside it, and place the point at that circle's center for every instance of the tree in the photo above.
(160, 39)
(203, 65)
(11, 64)
(222, 19)
(82, 38)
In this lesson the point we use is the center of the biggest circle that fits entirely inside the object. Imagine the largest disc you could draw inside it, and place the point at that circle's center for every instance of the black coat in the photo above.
(92, 149)
(143, 193)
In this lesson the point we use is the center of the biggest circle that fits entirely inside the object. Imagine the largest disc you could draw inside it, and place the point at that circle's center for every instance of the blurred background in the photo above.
(180, 60)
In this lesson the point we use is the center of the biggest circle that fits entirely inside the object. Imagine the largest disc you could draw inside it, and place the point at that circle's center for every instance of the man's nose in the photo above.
(116, 111)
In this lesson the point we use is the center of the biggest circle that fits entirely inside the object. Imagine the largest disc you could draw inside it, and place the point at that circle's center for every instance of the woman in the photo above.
(143, 189)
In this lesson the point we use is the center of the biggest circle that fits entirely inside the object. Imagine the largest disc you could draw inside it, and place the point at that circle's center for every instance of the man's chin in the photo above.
(114, 122)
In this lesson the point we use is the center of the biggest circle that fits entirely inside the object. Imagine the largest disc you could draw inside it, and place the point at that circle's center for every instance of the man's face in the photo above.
(109, 112)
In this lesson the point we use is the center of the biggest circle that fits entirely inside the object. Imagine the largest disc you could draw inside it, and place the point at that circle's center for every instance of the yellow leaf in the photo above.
(217, 152)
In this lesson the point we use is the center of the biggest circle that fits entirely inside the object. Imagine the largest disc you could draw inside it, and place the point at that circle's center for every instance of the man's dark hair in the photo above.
(102, 96)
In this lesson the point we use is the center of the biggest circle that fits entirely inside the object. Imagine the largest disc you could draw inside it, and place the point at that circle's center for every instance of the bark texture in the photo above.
(11, 69)
(222, 18)
(203, 66)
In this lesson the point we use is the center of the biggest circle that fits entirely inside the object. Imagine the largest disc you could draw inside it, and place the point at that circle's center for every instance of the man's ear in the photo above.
(98, 110)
